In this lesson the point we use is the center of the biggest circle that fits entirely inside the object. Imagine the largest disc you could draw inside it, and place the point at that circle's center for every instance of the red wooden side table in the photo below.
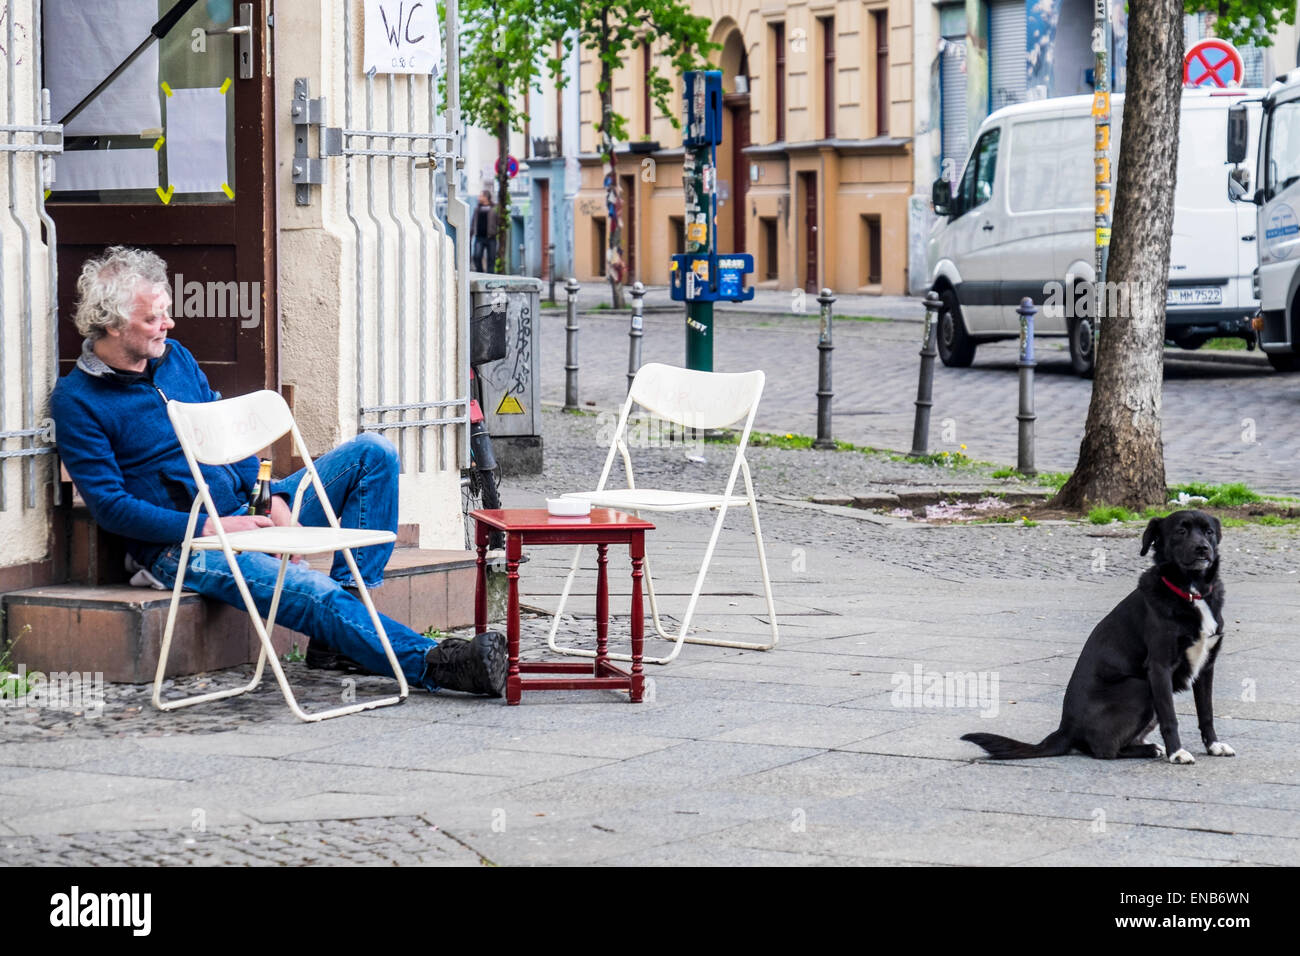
(536, 526)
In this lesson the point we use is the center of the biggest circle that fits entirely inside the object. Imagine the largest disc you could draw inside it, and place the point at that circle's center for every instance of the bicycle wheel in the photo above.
(478, 489)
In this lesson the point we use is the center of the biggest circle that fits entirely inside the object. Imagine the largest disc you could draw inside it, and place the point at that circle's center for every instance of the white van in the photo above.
(1021, 224)
(1278, 197)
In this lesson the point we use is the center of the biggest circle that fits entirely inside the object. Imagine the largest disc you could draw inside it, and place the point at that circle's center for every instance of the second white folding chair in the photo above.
(691, 400)
(221, 433)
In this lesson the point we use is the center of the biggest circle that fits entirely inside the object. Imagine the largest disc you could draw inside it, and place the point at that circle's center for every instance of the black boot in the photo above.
(323, 658)
(475, 667)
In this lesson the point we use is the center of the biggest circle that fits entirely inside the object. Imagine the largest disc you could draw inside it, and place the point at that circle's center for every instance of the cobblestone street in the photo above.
(1224, 420)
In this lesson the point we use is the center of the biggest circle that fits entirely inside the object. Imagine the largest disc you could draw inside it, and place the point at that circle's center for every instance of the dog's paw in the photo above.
(1160, 749)
(1181, 756)
(1220, 749)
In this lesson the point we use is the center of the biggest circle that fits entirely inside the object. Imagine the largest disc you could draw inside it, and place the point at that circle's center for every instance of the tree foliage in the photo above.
(613, 30)
(504, 51)
(1245, 21)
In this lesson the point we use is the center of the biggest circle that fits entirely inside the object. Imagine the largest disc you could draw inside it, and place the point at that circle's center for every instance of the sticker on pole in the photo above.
(1213, 62)
(1280, 232)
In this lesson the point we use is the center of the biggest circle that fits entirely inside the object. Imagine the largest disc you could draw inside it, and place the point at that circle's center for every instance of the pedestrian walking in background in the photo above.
(483, 230)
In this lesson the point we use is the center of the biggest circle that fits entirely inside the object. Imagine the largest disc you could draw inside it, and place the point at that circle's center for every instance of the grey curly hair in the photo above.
(107, 286)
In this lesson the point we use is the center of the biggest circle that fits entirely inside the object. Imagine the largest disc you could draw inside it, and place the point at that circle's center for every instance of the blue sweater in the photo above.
(119, 446)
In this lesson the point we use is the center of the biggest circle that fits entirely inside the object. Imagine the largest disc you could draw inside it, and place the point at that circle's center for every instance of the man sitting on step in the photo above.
(118, 444)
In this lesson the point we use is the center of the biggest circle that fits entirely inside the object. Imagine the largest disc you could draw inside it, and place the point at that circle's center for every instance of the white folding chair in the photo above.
(224, 432)
(693, 400)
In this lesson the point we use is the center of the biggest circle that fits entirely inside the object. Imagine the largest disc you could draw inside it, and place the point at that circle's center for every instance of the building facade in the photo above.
(815, 169)
(332, 268)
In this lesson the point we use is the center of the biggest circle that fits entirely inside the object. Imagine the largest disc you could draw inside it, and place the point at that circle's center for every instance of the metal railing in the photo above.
(408, 379)
(24, 141)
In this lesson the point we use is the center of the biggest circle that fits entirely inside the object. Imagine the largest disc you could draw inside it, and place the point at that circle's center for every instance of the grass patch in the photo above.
(13, 686)
(775, 440)
(1047, 479)
(1225, 345)
(1053, 479)
(1109, 513)
(1007, 519)
(578, 411)
(1268, 521)
(941, 459)
(553, 305)
(1217, 496)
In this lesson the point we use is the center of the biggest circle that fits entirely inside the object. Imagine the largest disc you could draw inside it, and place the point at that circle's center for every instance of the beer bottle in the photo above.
(259, 503)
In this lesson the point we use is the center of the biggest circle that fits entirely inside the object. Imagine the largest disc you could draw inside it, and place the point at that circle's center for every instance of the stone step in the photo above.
(95, 557)
(117, 630)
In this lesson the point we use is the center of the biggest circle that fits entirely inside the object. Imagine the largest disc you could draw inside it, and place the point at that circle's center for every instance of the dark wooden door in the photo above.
(739, 106)
(219, 245)
(629, 229)
(808, 183)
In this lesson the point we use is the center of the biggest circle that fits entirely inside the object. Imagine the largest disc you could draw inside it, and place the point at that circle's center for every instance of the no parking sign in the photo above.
(1214, 63)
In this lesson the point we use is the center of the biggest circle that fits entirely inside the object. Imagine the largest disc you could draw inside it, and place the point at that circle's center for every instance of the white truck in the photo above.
(1019, 223)
(1277, 175)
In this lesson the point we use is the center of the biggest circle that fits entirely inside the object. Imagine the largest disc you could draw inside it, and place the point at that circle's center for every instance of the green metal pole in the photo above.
(699, 336)
(699, 238)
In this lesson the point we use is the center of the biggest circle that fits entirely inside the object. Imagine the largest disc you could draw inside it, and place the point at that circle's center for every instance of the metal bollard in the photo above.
(523, 266)
(571, 346)
(925, 384)
(550, 270)
(1025, 446)
(634, 334)
(824, 349)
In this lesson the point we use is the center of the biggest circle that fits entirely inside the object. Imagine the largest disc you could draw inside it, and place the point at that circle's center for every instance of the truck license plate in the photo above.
(1208, 295)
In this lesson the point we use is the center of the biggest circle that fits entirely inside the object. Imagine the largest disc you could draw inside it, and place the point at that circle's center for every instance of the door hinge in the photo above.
(306, 112)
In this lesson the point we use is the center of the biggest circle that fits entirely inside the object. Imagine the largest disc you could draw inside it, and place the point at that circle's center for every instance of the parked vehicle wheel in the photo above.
(1284, 362)
(1081, 346)
(956, 348)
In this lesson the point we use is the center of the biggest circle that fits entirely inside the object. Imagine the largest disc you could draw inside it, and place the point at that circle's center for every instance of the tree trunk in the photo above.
(613, 194)
(1121, 458)
(503, 190)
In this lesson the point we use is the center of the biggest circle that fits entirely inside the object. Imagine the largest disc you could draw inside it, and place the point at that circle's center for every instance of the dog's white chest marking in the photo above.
(1199, 652)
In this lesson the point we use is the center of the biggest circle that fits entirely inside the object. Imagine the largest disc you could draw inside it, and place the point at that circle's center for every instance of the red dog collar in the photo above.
(1186, 596)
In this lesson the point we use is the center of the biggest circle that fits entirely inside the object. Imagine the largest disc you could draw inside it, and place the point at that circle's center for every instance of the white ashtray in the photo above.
(568, 507)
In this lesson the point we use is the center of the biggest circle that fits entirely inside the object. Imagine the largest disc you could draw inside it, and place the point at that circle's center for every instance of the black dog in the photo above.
(1160, 639)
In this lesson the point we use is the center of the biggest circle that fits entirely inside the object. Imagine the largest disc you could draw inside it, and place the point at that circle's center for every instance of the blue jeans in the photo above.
(485, 255)
(360, 480)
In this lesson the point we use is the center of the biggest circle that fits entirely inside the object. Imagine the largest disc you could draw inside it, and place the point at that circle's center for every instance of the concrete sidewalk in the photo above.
(815, 753)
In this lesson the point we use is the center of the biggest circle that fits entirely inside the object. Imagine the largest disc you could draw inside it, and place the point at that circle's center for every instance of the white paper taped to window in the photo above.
(84, 43)
(401, 37)
(196, 140)
(105, 169)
